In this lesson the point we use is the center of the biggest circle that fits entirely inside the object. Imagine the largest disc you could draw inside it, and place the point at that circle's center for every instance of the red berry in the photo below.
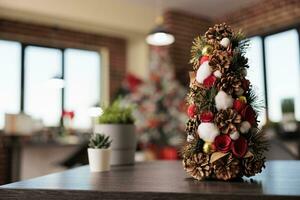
(238, 105)
(209, 81)
(203, 59)
(206, 116)
(191, 111)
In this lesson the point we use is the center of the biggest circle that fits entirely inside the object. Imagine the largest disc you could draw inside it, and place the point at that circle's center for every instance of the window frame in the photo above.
(263, 37)
(62, 50)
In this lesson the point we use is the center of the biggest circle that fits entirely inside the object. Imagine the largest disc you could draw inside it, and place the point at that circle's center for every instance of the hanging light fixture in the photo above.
(159, 36)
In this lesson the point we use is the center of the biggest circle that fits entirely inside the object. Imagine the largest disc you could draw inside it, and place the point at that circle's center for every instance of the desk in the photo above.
(156, 180)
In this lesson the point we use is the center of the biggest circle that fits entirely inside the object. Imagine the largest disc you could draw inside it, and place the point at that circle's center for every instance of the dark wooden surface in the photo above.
(156, 180)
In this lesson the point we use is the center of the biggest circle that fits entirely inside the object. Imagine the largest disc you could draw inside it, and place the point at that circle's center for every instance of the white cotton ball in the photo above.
(245, 126)
(190, 138)
(203, 72)
(225, 42)
(217, 74)
(223, 100)
(234, 135)
(208, 131)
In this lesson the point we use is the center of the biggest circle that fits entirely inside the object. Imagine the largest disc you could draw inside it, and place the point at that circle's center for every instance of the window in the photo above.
(81, 71)
(10, 76)
(282, 65)
(41, 100)
(255, 72)
(82, 75)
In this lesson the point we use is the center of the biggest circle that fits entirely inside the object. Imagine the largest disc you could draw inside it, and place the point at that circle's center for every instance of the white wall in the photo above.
(111, 17)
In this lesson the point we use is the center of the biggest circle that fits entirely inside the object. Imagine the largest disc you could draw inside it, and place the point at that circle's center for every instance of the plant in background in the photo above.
(99, 141)
(287, 105)
(116, 114)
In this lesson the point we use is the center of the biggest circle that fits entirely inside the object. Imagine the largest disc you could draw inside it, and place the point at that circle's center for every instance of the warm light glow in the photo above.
(95, 111)
(160, 39)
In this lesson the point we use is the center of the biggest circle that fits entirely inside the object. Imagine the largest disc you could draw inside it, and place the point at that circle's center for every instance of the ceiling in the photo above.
(206, 8)
(129, 18)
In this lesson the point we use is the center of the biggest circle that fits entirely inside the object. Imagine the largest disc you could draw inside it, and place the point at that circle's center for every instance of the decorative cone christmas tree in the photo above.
(223, 139)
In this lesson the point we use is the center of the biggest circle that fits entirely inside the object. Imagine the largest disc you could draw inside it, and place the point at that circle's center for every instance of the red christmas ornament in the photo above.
(223, 143)
(192, 110)
(249, 114)
(206, 116)
(203, 59)
(168, 153)
(209, 81)
(239, 105)
(239, 147)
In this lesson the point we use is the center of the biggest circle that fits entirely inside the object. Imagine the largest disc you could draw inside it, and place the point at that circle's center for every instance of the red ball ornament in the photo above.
(239, 147)
(223, 143)
(249, 114)
(203, 59)
(209, 81)
(192, 110)
(206, 116)
(239, 105)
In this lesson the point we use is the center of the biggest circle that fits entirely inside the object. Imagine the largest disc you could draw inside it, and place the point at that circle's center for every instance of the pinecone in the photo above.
(191, 126)
(220, 60)
(217, 33)
(198, 166)
(230, 83)
(252, 166)
(228, 120)
(226, 168)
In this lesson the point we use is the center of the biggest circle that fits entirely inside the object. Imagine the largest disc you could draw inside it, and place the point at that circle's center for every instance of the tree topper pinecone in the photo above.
(223, 139)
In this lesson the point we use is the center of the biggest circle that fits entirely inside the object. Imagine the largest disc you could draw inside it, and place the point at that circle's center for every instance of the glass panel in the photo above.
(10, 75)
(41, 100)
(82, 75)
(282, 62)
(255, 72)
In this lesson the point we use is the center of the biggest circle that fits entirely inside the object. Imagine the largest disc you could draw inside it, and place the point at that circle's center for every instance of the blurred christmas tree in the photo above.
(159, 103)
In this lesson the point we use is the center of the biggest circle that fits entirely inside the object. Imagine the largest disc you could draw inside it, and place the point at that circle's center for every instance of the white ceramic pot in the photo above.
(123, 142)
(99, 159)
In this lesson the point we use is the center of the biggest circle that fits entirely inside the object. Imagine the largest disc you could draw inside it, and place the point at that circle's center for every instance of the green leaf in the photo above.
(116, 114)
(99, 141)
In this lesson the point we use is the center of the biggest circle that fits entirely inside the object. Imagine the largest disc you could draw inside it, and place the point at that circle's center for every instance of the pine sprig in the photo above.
(258, 143)
(203, 98)
(196, 50)
(243, 46)
(191, 148)
(210, 99)
(255, 101)
(237, 38)
(239, 61)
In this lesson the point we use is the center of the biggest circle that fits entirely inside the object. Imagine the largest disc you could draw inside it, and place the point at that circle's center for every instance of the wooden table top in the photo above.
(156, 180)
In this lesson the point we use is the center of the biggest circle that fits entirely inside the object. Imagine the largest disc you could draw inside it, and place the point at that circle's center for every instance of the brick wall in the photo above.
(265, 17)
(185, 28)
(58, 37)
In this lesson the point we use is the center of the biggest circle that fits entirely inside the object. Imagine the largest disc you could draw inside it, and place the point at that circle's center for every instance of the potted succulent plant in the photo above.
(118, 123)
(99, 153)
